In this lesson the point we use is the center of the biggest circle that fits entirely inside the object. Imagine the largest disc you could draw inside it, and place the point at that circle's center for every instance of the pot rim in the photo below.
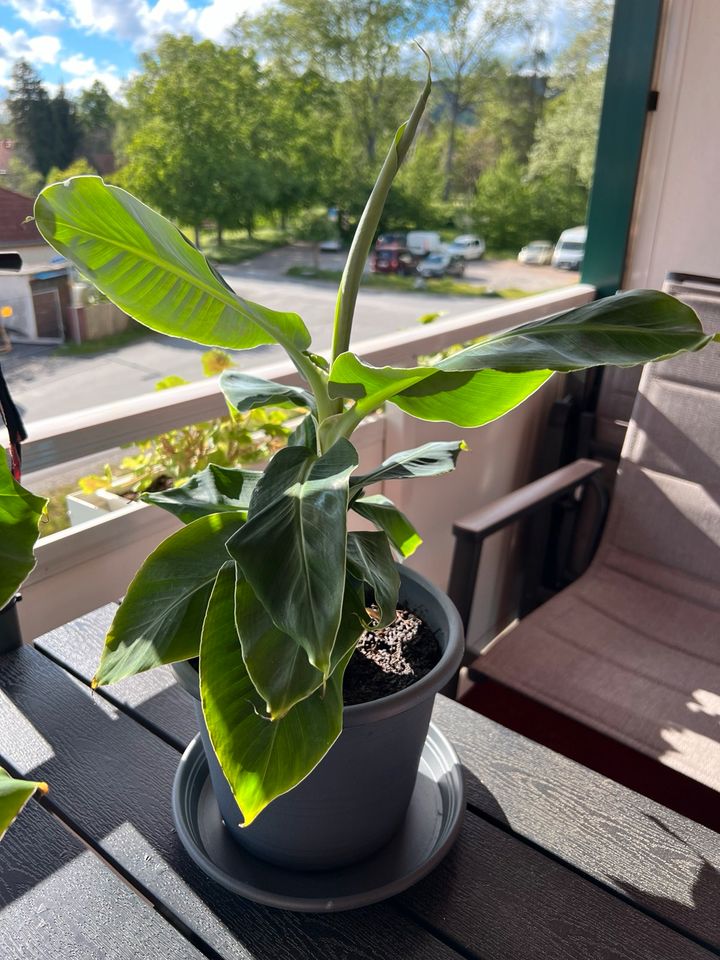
(434, 680)
(402, 700)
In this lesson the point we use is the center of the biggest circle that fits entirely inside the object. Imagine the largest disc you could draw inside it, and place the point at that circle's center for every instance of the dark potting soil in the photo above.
(390, 659)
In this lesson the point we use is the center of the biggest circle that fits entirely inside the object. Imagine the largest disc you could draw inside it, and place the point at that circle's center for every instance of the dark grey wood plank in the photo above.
(505, 900)
(153, 698)
(653, 856)
(111, 778)
(59, 900)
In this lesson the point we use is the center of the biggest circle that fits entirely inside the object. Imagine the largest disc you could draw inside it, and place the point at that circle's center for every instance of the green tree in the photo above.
(299, 139)
(354, 43)
(77, 168)
(97, 114)
(516, 201)
(95, 108)
(512, 207)
(194, 134)
(313, 228)
(21, 177)
(512, 105)
(32, 116)
(503, 200)
(67, 132)
(469, 32)
(567, 135)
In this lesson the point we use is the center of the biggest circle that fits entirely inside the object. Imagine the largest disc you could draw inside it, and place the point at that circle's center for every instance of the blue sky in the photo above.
(78, 41)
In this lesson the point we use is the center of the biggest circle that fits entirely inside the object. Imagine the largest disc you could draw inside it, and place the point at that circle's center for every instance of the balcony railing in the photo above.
(82, 567)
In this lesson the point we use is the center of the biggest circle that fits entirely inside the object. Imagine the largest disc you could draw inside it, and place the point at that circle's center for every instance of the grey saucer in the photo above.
(431, 827)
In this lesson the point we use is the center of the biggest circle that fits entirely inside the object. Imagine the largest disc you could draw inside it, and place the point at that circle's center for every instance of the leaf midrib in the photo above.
(153, 623)
(585, 328)
(305, 473)
(235, 302)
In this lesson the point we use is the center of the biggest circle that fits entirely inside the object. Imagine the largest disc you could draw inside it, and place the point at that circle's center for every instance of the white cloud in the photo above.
(123, 18)
(109, 78)
(84, 71)
(38, 13)
(78, 66)
(217, 17)
(142, 21)
(168, 16)
(43, 49)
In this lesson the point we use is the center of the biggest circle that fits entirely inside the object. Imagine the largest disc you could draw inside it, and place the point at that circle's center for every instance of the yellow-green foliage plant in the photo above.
(20, 514)
(264, 583)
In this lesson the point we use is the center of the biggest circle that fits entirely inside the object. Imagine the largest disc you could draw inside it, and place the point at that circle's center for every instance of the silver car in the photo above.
(539, 251)
(467, 246)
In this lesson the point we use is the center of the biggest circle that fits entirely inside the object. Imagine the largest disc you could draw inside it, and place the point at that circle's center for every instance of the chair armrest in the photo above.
(471, 531)
(525, 501)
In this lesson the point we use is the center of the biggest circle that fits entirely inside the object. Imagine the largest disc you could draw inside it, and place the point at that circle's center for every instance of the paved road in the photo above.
(46, 385)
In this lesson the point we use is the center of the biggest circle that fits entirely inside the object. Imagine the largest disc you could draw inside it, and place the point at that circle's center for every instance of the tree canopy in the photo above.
(289, 116)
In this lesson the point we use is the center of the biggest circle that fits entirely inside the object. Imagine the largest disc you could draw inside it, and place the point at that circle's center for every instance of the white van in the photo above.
(421, 242)
(570, 249)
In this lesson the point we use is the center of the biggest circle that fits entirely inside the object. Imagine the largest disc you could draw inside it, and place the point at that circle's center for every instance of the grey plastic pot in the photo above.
(356, 798)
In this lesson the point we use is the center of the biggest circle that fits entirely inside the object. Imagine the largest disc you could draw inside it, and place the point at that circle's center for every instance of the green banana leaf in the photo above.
(14, 794)
(305, 434)
(20, 514)
(370, 561)
(277, 665)
(215, 489)
(464, 398)
(386, 517)
(141, 262)
(631, 328)
(160, 620)
(292, 548)
(260, 758)
(245, 393)
(489, 378)
(429, 460)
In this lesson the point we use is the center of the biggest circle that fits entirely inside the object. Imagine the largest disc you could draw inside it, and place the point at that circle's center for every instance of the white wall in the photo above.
(676, 224)
(15, 293)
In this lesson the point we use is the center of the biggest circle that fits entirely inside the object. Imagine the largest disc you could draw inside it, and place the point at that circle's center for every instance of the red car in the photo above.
(394, 260)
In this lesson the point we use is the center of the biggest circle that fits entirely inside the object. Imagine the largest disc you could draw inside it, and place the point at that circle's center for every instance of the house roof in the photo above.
(14, 209)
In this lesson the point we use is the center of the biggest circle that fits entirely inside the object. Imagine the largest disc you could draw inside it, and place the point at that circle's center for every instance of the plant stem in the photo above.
(360, 248)
(316, 380)
(341, 425)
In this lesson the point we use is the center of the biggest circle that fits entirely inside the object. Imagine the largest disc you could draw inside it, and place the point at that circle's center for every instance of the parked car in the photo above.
(391, 240)
(570, 249)
(394, 260)
(441, 264)
(539, 252)
(422, 242)
(331, 245)
(468, 246)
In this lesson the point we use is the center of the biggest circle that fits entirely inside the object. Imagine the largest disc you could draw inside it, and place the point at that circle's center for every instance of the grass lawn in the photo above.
(237, 246)
(392, 281)
(115, 340)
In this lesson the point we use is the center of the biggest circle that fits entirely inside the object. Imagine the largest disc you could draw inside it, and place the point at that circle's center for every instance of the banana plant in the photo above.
(14, 794)
(20, 514)
(264, 583)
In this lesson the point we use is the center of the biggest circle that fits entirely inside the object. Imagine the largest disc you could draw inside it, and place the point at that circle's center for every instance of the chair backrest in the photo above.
(666, 507)
(614, 408)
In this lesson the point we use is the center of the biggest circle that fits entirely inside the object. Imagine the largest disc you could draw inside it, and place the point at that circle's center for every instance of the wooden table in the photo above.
(553, 862)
